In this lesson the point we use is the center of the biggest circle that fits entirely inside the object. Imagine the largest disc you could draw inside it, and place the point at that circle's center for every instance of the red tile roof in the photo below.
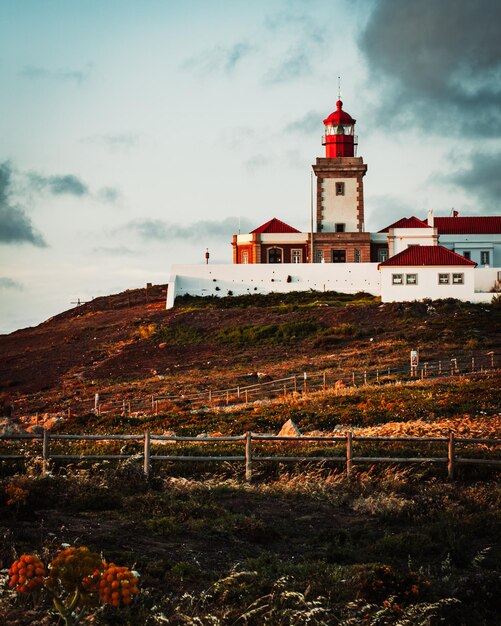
(468, 225)
(275, 226)
(426, 255)
(406, 222)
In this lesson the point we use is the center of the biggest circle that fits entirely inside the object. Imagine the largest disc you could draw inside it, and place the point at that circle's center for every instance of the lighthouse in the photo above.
(340, 231)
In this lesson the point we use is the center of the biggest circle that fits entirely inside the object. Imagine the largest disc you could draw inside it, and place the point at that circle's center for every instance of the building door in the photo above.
(275, 255)
(338, 256)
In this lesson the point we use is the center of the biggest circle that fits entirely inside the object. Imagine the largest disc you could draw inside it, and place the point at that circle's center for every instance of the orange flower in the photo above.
(118, 585)
(76, 568)
(27, 574)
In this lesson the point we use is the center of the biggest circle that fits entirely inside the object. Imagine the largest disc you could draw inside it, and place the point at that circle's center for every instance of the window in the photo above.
(458, 279)
(275, 255)
(319, 256)
(357, 256)
(339, 228)
(338, 256)
(339, 189)
(296, 256)
(467, 254)
(443, 279)
(485, 257)
(411, 279)
(245, 257)
(382, 255)
(397, 279)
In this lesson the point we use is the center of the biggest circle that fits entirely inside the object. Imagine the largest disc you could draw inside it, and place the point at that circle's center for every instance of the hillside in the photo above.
(129, 344)
(303, 541)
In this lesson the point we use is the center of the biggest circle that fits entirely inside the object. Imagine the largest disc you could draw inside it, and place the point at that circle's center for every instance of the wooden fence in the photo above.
(287, 387)
(249, 457)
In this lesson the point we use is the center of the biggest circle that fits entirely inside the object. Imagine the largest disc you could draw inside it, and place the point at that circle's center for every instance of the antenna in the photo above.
(339, 87)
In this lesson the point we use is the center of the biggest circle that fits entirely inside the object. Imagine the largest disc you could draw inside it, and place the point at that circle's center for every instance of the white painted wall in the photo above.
(400, 239)
(339, 209)
(202, 280)
(427, 284)
(486, 278)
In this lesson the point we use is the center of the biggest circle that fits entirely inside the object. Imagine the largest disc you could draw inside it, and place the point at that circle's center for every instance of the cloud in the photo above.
(9, 283)
(116, 142)
(438, 64)
(257, 162)
(109, 194)
(15, 225)
(69, 184)
(295, 64)
(382, 210)
(167, 231)
(35, 72)
(307, 124)
(481, 179)
(219, 59)
(306, 35)
(59, 185)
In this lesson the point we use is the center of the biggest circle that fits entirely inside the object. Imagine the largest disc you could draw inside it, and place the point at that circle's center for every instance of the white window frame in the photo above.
(485, 257)
(340, 227)
(357, 255)
(340, 188)
(458, 278)
(411, 279)
(444, 279)
(319, 256)
(245, 257)
(298, 253)
(397, 279)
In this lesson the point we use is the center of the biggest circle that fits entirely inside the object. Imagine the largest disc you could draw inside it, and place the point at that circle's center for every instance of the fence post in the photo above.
(440, 367)
(295, 384)
(349, 452)
(353, 378)
(365, 378)
(156, 407)
(246, 396)
(146, 456)
(45, 451)
(377, 375)
(96, 403)
(248, 456)
(451, 456)
(324, 381)
(472, 363)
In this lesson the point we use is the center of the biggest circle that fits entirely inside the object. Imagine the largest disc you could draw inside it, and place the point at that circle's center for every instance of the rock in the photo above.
(52, 421)
(289, 429)
(162, 345)
(35, 429)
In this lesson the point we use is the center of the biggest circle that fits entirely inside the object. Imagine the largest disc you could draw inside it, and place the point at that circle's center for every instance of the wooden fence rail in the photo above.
(250, 457)
(290, 386)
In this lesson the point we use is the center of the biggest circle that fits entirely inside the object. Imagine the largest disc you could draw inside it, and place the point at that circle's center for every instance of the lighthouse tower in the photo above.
(340, 197)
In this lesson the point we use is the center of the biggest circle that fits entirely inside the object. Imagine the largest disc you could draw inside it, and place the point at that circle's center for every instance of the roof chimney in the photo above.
(430, 218)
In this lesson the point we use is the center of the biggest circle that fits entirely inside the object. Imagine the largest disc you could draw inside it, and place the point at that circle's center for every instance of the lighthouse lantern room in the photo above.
(339, 139)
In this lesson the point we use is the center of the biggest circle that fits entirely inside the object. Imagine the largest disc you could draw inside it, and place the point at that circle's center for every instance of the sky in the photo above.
(134, 134)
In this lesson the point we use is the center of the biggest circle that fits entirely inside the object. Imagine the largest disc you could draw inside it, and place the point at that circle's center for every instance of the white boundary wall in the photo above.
(218, 280)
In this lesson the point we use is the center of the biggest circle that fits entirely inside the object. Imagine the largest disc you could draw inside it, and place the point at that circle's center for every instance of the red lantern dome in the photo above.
(339, 139)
